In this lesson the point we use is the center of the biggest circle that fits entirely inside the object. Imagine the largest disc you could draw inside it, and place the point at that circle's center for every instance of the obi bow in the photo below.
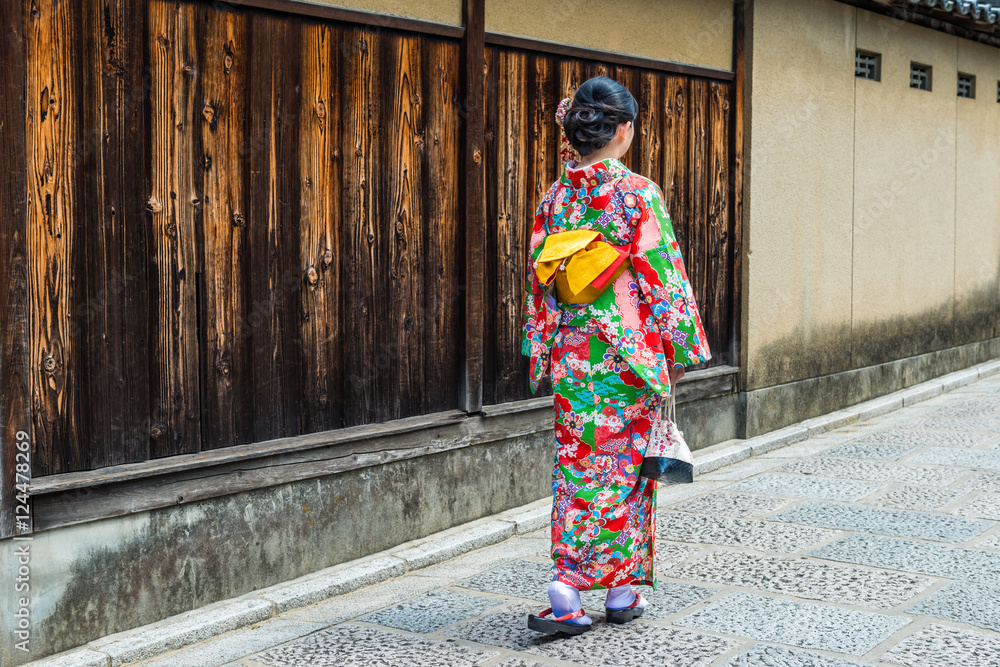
(582, 265)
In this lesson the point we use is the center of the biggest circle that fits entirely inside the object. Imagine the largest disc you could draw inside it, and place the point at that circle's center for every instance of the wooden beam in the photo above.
(473, 61)
(608, 57)
(370, 20)
(15, 405)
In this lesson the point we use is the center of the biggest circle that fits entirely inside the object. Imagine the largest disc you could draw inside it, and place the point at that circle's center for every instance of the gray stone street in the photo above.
(876, 543)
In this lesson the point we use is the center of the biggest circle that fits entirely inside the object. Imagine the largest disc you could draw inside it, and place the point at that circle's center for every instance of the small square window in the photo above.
(868, 65)
(998, 91)
(966, 85)
(920, 76)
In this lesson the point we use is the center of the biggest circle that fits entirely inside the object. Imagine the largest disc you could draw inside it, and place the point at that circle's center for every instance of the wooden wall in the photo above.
(682, 142)
(235, 225)
(218, 250)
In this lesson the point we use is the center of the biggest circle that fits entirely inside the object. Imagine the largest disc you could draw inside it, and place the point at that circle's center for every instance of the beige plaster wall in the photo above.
(873, 209)
(441, 11)
(977, 212)
(799, 199)
(698, 32)
(904, 199)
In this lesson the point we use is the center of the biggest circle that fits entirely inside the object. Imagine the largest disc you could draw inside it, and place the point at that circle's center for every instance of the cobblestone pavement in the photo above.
(872, 544)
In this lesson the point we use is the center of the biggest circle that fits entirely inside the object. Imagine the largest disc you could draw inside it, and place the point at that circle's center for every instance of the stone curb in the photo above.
(181, 630)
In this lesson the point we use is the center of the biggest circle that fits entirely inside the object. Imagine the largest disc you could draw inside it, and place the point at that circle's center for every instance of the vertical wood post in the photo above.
(473, 59)
(736, 171)
(15, 405)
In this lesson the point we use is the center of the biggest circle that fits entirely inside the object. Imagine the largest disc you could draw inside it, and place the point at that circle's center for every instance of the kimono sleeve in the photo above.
(541, 311)
(663, 281)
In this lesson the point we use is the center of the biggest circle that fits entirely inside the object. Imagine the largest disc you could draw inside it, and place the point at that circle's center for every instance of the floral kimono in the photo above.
(608, 359)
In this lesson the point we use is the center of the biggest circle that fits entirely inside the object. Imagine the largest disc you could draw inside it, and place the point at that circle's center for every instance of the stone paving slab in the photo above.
(988, 481)
(936, 560)
(899, 523)
(804, 578)
(727, 503)
(748, 469)
(670, 598)
(823, 488)
(972, 407)
(235, 645)
(875, 471)
(957, 457)
(801, 624)
(313, 588)
(749, 534)
(531, 545)
(520, 578)
(764, 655)
(352, 605)
(79, 658)
(984, 505)
(950, 423)
(603, 646)
(938, 645)
(869, 450)
(924, 438)
(963, 602)
(352, 645)
(915, 498)
(432, 611)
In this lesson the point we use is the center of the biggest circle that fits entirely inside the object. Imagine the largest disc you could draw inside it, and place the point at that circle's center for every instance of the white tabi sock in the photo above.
(621, 597)
(565, 600)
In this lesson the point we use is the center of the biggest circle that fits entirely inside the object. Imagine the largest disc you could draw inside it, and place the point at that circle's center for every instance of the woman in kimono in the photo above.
(610, 314)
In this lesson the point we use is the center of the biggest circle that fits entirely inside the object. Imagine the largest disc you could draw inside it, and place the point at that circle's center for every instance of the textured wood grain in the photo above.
(402, 319)
(55, 266)
(695, 225)
(362, 234)
(718, 228)
(736, 177)
(443, 307)
(117, 240)
(649, 130)
(277, 274)
(676, 139)
(221, 114)
(173, 201)
(319, 155)
(15, 374)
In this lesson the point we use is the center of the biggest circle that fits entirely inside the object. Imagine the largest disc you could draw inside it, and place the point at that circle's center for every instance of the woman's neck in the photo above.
(594, 158)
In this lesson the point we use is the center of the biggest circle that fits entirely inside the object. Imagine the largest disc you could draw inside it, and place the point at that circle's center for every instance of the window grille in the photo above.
(966, 85)
(867, 65)
(920, 76)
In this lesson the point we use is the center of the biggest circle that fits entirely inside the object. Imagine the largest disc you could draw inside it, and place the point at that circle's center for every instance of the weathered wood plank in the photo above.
(175, 426)
(221, 113)
(442, 268)
(718, 266)
(676, 139)
(401, 314)
(54, 248)
(696, 226)
(117, 239)
(510, 227)
(273, 238)
(649, 130)
(319, 151)
(473, 64)
(361, 270)
(15, 369)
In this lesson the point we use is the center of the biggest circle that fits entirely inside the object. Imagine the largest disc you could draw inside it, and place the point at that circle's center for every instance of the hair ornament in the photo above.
(566, 152)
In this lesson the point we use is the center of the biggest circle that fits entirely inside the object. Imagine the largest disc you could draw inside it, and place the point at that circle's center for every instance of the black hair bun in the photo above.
(599, 106)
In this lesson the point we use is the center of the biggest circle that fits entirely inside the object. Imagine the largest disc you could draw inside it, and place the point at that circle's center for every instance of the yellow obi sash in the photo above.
(582, 265)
